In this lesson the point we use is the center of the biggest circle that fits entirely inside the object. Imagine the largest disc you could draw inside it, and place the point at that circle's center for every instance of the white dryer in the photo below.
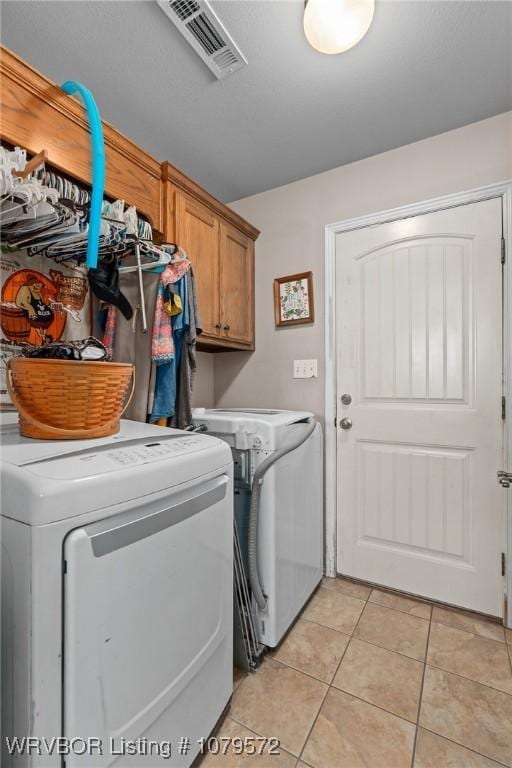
(289, 541)
(116, 594)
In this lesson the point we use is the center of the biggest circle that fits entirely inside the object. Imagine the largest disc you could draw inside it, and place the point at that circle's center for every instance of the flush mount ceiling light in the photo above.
(334, 26)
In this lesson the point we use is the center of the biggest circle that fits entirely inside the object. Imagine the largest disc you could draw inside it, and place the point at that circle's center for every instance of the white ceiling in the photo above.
(424, 68)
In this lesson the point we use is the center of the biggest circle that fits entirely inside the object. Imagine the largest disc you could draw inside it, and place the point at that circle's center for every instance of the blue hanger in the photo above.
(98, 168)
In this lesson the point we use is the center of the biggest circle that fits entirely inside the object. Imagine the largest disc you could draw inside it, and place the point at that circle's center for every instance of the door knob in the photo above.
(346, 423)
(227, 327)
(218, 326)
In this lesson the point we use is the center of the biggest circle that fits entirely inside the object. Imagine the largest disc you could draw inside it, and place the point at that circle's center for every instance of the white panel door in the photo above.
(419, 351)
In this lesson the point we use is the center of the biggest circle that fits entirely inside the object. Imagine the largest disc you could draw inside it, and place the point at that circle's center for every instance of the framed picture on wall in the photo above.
(293, 299)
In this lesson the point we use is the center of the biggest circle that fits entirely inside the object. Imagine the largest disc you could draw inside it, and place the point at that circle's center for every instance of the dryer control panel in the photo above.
(141, 454)
(107, 458)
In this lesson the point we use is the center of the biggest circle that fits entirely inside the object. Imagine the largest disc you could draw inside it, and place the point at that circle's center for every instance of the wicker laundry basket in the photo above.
(69, 400)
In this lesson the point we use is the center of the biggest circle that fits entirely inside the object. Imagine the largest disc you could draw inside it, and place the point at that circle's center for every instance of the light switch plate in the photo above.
(305, 369)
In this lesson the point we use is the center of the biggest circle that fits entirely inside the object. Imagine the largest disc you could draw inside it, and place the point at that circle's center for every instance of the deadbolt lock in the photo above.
(346, 399)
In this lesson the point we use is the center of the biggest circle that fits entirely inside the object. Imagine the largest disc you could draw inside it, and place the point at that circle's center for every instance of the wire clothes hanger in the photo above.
(49, 216)
(32, 165)
(165, 256)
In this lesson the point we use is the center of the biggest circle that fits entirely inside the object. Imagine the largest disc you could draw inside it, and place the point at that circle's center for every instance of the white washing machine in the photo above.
(116, 595)
(289, 543)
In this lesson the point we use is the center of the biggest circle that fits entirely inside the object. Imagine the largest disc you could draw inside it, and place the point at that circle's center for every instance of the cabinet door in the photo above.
(197, 231)
(236, 286)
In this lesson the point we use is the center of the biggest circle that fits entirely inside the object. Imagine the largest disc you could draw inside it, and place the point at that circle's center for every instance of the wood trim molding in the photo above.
(28, 78)
(207, 343)
(183, 182)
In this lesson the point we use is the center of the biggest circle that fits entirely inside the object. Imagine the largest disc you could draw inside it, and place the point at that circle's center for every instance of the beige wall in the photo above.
(203, 384)
(292, 220)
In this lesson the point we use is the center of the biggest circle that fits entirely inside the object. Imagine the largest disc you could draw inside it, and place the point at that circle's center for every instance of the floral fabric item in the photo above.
(162, 347)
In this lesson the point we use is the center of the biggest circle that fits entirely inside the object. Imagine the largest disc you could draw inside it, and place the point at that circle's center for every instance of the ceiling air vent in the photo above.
(200, 25)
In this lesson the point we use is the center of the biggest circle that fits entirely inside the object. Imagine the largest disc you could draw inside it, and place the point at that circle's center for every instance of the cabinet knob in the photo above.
(227, 327)
(218, 326)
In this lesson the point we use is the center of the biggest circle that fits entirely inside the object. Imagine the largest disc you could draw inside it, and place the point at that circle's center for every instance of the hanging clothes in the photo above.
(39, 304)
(127, 342)
(45, 216)
(164, 402)
(152, 353)
(163, 343)
(188, 363)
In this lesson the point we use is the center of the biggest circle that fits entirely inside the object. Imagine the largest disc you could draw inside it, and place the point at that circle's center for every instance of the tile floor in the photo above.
(370, 679)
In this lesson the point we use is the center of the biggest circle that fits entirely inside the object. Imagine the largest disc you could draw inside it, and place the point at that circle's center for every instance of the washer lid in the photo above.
(236, 416)
(251, 428)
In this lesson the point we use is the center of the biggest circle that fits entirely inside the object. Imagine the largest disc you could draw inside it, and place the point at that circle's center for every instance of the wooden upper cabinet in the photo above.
(37, 115)
(197, 231)
(220, 245)
(236, 286)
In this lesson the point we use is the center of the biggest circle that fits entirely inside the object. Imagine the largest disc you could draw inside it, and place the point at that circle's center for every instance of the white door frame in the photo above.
(503, 190)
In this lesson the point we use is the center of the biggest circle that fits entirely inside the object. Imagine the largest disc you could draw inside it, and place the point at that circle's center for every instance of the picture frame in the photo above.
(293, 300)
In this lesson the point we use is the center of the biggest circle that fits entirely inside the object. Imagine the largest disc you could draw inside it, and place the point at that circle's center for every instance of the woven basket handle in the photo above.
(65, 434)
